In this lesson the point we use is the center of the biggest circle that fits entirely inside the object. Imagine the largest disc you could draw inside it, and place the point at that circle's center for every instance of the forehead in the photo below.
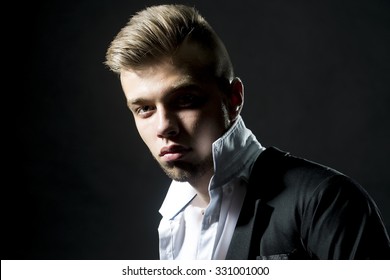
(154, 77)
(189, 65)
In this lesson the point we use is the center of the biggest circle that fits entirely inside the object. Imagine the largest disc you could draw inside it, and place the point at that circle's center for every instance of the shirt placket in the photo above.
(209, 226)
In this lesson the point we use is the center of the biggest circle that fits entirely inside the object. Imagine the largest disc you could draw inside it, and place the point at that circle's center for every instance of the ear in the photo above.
(236, 98)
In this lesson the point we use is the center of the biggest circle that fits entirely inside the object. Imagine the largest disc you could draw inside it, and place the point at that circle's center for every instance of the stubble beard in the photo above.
(187, 171)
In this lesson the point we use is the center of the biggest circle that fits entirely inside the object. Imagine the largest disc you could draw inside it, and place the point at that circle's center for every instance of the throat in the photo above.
(201, 186)
(201, 203)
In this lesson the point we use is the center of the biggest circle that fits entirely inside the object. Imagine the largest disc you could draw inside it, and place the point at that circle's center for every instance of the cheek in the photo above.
(206, 126)
(216, 118)
(145, 133)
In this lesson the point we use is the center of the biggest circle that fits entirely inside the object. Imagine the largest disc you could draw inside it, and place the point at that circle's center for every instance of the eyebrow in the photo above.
(136, 101)
(180, 86)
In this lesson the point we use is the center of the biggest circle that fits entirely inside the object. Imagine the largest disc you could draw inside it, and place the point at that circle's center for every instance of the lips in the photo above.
(173, 152)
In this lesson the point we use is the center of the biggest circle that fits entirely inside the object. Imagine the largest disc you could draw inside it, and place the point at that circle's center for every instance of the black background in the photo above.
(80, 184)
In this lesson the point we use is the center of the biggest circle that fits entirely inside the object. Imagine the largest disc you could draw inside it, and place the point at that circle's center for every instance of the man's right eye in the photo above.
(145, 111)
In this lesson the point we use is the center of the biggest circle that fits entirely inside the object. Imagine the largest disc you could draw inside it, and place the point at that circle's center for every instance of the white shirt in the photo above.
(187, 231)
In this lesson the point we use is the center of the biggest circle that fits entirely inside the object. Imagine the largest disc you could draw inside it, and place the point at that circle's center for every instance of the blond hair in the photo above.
(157, 32)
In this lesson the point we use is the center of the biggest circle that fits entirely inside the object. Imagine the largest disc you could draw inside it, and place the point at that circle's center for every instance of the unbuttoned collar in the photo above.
(232, 154)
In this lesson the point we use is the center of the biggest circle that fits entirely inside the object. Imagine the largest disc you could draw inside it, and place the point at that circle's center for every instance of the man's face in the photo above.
(179, 112)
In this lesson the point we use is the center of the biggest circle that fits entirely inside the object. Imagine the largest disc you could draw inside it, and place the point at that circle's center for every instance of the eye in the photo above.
(145, 111)
(188, 100)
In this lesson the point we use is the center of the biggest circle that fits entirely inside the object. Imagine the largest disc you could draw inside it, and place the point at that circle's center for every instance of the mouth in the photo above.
(173, 152)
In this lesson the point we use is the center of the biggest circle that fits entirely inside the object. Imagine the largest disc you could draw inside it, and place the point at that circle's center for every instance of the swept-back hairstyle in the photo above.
(158, 32)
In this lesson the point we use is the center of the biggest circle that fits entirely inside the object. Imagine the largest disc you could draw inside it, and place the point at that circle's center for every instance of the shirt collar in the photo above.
(232, 154)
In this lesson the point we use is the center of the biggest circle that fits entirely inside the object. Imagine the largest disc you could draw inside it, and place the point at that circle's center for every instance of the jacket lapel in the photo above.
(265, 182)
(242, 245)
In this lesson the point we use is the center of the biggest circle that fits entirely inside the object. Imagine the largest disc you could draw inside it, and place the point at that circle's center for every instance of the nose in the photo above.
(167, 126)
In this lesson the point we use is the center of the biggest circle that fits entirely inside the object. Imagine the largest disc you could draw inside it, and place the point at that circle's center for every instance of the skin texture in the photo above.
(179, 111)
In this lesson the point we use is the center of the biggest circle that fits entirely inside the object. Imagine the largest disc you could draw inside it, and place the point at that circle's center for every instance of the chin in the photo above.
(186, 171)
(177, 173)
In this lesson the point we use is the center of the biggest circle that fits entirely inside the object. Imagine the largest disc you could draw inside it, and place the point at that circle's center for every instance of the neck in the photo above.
(201, 186)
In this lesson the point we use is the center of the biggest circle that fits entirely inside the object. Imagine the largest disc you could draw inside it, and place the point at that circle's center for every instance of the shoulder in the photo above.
(315, 209)
(280, 177)
(276, 170)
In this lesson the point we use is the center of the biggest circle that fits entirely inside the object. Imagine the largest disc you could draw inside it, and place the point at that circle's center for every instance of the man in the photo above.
(230, 197)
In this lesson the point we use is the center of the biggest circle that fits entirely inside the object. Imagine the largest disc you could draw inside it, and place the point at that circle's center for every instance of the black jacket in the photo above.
(298, 209)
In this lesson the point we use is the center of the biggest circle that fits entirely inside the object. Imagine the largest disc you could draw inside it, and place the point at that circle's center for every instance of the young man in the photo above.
(230, 198)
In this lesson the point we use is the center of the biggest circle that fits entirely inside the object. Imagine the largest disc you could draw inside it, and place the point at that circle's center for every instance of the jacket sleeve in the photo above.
(341, 221)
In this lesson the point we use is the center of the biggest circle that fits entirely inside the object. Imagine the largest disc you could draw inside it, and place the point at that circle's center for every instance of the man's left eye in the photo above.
(188, 101)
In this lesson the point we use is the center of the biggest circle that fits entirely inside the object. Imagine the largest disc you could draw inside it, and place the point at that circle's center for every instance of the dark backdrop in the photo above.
(80, 184)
